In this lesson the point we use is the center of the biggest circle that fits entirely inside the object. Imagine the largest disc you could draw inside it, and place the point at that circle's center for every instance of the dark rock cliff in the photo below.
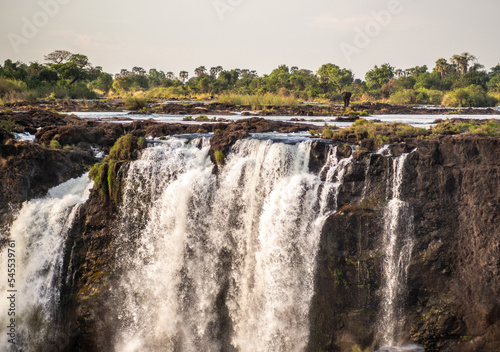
(452, 186)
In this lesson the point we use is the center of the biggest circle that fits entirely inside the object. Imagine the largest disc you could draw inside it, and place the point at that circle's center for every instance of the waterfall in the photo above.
(220, 262)
(397, 246)
(39, 236)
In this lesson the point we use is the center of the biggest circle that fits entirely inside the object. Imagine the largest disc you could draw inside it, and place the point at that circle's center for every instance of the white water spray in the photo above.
(398, 244)
(221, 262)
(39, 234)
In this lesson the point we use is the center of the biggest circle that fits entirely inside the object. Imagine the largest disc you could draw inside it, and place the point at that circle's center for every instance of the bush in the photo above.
(187, 118)
(7, 125)
(141, 143)
(471, 96)
(166, 93)
(258, 101)
(12, 90)
(404, 97)
(219, 157)
(122, 149)
(202, 118)
(135, 103)
(55, 144)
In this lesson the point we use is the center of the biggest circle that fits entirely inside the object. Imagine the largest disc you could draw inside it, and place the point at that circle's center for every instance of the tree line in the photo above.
(64, 74)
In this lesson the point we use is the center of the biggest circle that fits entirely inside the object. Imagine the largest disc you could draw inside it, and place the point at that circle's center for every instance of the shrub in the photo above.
(470, 96)
(122, 149)
(327, 132)
(219, 157)
(99, 174)
(201, 118)
(258, 101)
(7, 125)
(55, 144)
(187, 118)
(404, 96)
(141, 143)
(135, 103)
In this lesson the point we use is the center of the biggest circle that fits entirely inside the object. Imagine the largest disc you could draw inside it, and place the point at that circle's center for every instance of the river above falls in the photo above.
(423, 121)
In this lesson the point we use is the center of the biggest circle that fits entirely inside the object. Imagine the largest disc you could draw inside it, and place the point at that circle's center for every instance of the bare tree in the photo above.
(58, 56)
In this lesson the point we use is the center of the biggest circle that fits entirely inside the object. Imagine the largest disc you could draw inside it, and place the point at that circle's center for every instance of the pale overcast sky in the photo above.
(254, 34)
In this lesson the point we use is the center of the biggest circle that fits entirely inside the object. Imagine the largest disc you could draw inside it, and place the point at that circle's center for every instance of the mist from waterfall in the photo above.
(40, 232)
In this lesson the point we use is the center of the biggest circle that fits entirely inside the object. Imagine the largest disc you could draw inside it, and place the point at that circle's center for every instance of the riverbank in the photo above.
(210, 108)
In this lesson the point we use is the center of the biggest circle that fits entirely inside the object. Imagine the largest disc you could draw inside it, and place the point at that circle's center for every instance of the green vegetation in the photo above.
(382, 133)
(475, 127)
(469, 96)
(135, 103)
(356, 348)
(105, 173)
(55, 144)
(7, 125)
(202, 118)
(258, 101)
(219, 157)
(459, 81)
(141, 143)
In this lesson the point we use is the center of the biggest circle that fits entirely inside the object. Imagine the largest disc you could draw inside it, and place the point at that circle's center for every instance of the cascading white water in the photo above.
(40, 232)
(398, 244)
(227, 261)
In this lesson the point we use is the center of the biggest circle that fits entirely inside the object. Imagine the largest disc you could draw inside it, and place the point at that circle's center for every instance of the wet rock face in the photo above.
(29, 170)
(452, 186)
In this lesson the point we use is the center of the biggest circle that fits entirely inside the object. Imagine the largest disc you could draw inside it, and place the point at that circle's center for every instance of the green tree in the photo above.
(183, 75)
(104, 82)
(335, 77)
(379, 76)
(123, 83)
(156, 78)
(443, 68)
(462, 62)
(200, 71)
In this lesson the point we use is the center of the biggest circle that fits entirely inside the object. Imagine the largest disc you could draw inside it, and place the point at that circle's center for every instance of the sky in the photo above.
(251, 34)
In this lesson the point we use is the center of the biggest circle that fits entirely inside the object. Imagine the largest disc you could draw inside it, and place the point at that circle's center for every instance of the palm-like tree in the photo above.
(214, 71)
(462, 61)
(183, 75)
(442, 67)
(199, 71)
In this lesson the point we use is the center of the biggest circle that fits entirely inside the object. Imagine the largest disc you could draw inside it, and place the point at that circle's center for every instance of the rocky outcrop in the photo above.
(29, 170)
(214, 108)
(451, 185)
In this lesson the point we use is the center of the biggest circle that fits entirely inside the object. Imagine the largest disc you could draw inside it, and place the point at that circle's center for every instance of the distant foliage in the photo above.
(258, 101)
(72, 76)
(468, 97)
